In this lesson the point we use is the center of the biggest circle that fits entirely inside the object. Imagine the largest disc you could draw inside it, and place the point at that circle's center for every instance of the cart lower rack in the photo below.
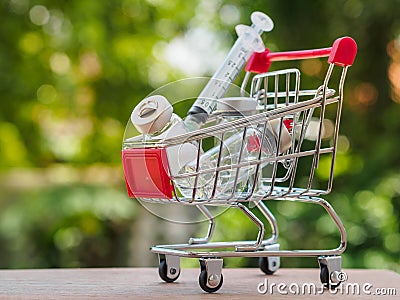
(269, 147)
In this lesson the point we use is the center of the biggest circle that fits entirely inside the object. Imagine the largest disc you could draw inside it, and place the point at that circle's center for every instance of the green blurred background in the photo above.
(71, 73)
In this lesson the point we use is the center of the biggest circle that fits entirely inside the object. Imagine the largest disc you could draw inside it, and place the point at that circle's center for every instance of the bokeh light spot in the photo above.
(311, 67)
(46, 94)
(343, 144)
(39, 15)
(392, 242)
(55, 23)
(66, 238)
(353, 8)
(394, 77)
(366, 93)
(31, 43)
(19, 6)
(60, 63)
(90, 65)
(229, 14)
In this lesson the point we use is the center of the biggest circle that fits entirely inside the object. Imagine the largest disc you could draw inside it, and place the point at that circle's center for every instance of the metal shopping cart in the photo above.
(299, 113)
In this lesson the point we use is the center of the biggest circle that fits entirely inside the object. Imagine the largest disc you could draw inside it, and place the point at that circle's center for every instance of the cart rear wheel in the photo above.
(163, 272)
(210, 284)
(324, 277)
(269, 265)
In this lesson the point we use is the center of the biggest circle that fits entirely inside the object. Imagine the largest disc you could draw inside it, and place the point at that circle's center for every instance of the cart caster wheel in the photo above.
(168, 273)
(331, 274)
(211, 279)
(269, 265)
(324, 277)
(210, 284)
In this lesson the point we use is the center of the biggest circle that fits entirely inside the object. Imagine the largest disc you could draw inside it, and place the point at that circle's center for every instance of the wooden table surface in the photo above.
(144, 283)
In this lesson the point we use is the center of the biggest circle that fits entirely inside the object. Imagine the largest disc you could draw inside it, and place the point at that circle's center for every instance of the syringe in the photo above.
(249, 41)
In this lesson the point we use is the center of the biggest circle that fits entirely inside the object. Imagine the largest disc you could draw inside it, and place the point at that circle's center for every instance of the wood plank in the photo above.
(131, 283)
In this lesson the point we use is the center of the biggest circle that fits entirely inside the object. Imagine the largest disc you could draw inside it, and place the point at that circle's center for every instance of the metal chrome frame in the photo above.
(280, 188)
(301, 111)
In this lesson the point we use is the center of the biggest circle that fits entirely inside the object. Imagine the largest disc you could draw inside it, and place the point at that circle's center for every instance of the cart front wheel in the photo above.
(269, 265)
(324, 277)
(210, 283)
(165, 275)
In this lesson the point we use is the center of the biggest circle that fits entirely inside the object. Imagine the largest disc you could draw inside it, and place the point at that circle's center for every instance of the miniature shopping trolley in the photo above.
(265, 166)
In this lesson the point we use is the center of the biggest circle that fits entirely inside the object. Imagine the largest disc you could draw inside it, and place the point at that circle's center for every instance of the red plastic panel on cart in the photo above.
(147, 173)
(343, 52)
(258, 62)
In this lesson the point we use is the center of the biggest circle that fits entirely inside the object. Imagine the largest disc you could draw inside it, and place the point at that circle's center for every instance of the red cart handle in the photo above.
(342, 53)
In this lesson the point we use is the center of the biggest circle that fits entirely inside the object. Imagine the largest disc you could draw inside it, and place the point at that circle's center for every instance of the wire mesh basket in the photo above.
(255, 158)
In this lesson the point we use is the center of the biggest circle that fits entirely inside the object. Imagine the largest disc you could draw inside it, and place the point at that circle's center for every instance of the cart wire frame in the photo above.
(298, 107)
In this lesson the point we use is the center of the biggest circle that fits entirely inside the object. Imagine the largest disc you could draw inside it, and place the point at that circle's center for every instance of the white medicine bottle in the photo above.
(154, 118)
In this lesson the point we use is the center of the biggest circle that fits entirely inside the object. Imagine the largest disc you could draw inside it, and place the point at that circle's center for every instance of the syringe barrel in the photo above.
(249, 40)
(219, 84)
(224, 76)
